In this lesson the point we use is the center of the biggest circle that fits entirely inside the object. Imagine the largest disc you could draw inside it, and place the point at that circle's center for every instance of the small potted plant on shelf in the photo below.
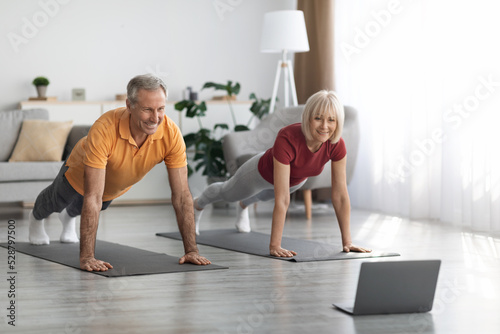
(41, 84)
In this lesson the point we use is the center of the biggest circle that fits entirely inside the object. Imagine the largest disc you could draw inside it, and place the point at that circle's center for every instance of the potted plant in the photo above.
(207, 147)
(232, 91)
(208, 151)
(41, 84)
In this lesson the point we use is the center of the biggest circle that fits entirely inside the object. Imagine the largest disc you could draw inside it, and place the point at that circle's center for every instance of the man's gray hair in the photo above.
(144, 81)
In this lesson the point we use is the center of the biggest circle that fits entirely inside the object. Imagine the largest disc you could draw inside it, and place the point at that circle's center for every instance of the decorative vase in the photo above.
(42, 91)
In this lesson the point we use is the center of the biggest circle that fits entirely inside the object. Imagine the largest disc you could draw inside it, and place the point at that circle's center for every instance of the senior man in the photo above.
(121, 147)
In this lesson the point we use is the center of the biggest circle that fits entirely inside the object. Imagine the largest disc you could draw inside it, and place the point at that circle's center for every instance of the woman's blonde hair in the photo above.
(319, 104)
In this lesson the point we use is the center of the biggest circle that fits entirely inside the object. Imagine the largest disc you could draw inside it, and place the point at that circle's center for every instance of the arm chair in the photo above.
(240, 146)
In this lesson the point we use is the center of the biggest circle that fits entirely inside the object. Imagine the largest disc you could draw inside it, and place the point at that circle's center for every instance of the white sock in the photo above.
(197, 217)
(68, 234)
(243, 220)
(37, 234)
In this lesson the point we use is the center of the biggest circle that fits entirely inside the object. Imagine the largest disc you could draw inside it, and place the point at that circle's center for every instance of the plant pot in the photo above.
(42, 91)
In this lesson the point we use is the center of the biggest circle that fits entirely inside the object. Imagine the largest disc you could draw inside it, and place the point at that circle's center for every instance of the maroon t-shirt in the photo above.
(290, 148)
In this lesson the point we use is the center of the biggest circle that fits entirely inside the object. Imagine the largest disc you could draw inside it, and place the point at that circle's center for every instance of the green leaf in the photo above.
(259, 107)
(236, 89)
(190, 139)
(202, 106)
(192, 109)
(229, 88)
(241, 128)
(205, 133)
(221, 125)
(214, 85)
(181, 105)
(190, 170)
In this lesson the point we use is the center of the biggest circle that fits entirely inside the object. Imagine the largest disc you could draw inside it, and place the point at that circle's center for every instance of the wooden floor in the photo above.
(256, 294)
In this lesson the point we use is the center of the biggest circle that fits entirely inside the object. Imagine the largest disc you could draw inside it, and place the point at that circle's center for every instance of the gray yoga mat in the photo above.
(126, 261)
(258, 244)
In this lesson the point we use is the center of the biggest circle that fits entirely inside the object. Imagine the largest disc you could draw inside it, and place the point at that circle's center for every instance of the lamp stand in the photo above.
(284, 65)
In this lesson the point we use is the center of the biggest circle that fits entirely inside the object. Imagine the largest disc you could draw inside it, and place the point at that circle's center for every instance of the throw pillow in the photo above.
(41, 141)
(10, 127)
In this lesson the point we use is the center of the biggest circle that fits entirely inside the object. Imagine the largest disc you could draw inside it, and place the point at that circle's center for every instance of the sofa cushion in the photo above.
(76, 133)
(10, 125)
(28, 171)
(41, 141)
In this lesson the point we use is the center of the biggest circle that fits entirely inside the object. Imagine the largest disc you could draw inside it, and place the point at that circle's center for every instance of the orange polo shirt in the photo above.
(109, 145)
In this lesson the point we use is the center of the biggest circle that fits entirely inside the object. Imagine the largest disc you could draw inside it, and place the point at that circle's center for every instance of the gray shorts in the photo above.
(58, 196)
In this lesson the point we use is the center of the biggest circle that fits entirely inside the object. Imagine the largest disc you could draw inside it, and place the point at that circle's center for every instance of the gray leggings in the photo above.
(246, 185)
(58, 196)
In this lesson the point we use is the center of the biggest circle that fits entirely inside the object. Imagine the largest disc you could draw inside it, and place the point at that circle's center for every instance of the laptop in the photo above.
(394, 287)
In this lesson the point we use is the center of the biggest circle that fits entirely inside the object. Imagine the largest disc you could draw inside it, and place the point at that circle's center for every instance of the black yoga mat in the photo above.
(126, 261)
(258, 244)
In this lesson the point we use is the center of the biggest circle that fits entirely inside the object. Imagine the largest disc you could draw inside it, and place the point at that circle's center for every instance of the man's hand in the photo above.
(93, 264)
(281, 252)
(351, 248)
(195, 258)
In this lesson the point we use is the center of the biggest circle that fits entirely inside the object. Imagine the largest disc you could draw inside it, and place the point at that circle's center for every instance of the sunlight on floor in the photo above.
(474, 245)
(380, 230)
(481, 253)
(367, 228)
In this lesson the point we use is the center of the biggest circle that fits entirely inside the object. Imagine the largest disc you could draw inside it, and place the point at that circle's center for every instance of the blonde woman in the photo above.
(300, 150)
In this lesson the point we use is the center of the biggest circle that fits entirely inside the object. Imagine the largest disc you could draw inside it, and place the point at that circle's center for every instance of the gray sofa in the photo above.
(23, 181)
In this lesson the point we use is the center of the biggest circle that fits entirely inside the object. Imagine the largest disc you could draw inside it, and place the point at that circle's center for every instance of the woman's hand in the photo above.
(281, 252)
(352, 248)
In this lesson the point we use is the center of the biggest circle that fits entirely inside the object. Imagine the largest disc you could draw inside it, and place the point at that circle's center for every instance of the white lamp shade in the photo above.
(284, 30)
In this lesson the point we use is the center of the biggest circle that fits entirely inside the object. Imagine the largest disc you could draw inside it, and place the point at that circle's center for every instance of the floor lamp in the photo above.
(284, 31)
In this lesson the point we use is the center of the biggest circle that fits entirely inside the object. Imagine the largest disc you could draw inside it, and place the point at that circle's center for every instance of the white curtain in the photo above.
(425, 79)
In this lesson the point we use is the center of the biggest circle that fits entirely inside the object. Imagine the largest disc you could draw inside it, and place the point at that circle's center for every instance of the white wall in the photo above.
(100, 45)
